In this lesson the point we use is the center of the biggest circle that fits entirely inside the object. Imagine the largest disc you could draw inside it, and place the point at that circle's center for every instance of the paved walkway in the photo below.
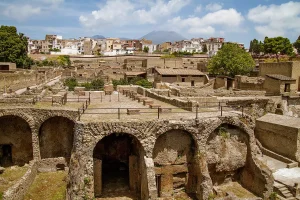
(110, 106)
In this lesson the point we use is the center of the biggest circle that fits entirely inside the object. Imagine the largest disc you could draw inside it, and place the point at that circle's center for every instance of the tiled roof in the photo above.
(280, 77)
(179, 71)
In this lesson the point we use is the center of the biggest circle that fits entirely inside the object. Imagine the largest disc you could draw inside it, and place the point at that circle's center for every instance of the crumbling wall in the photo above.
(173, 156)
(21, 187)
(56, 138)
(254, 176)
(249, 83)
(227, 153)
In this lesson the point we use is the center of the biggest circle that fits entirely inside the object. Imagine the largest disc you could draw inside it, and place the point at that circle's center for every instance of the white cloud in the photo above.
(21, 12)
(207, 24)
(198, 9)
(276, 20)
(213, 7)
(130, 13)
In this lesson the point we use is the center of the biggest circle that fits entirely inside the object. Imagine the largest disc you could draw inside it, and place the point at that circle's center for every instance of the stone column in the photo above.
(97, 177)
(36, 144)
(150, 178)
(133, 173)
(167, 181)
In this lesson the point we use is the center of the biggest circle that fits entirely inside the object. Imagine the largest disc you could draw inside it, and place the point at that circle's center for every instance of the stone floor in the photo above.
(288, 176)
(237, 189)
(107, 109)
(272, 163)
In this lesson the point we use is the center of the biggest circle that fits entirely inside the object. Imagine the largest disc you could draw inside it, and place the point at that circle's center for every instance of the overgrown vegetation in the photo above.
(48, 186)
(223, 133)
(178, 54)
(61, 60)
(71, 83)
(135, 81)
(273, 196)
(10, 176)
(96, 84)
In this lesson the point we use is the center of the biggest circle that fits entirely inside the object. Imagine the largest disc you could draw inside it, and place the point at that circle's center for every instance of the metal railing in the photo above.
(157, 111)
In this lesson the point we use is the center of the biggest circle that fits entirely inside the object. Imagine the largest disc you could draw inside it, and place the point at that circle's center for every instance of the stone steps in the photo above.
(283, 191)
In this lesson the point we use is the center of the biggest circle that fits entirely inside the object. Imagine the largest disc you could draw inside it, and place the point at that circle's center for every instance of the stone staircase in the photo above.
(283, 191)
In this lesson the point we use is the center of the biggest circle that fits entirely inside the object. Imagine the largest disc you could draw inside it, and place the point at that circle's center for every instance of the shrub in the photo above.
(71, 83)
(97, 84)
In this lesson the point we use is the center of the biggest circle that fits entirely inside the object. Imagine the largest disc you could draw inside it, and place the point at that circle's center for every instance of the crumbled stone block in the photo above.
(154, 106)
(148, 102)
(133, 111)
(2, 169)
(165, 110)
(141, 99)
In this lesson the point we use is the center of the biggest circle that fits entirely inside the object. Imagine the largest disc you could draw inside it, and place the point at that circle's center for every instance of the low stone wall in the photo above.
(53, 164)
(19, 190)
(203, 101)
(186, 105)
(255, 107)
(239, 93)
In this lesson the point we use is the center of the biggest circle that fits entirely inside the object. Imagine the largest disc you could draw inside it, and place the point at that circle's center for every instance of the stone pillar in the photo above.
(36, 144)
(166, 181)
(97, 177)
(133, 173)
(151, 189)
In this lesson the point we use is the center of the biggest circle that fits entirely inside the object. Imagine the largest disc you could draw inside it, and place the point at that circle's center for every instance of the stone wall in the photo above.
(35, 118)
(20, 189)
(23, 79)
(254, 176)
(249, 83)
(279, 134)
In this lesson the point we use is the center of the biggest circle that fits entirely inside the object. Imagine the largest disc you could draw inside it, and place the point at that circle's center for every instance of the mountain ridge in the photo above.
(159, 37)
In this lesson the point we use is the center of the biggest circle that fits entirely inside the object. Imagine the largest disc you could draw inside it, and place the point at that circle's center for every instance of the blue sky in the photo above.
(236, 20)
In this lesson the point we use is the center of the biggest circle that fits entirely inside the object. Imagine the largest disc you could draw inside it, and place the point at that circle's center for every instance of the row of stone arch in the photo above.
(18, 143)
(119, 163)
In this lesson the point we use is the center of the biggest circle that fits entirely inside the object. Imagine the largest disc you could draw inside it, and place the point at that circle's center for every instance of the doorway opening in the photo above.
(5, 155)
(117, 166)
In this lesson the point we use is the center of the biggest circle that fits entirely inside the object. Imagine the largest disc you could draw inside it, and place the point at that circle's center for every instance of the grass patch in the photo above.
(223, 133)
(10, 177)
(48, 186)
(238, 190)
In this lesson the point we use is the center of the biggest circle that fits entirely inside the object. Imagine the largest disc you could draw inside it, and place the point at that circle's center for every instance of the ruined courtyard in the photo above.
(170, 142)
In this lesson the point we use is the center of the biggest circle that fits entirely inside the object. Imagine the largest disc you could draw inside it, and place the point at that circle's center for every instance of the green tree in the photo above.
(64, 60)
(204, 48)
(256, 47)
(71, 83)
(146, 49)
(97, 84)
(231, 60)
(297, 44)
(277, 46)
(13, 47)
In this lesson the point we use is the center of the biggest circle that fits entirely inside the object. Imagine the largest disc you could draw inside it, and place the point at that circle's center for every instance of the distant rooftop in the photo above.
(280, 77)
(134, 73)
(179, 71)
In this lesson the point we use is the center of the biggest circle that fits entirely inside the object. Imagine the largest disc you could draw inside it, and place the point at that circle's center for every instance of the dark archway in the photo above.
(15, 141)
(119, 166)
(175, 164)
(56, 137)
